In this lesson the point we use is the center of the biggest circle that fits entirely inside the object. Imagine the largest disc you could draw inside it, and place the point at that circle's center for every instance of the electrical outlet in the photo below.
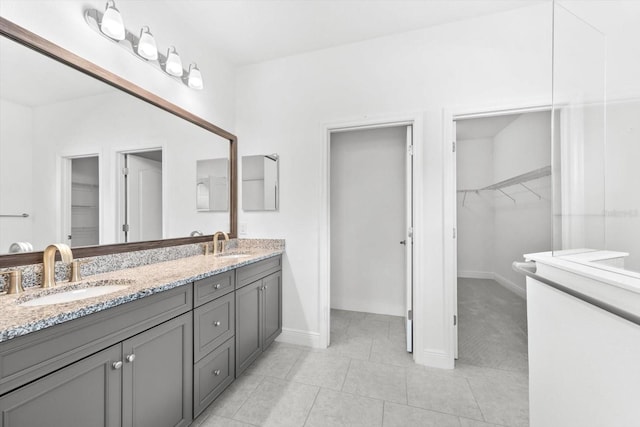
(243, 228)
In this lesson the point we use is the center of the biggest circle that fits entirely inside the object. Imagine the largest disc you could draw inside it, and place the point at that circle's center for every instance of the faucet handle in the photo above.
(76, 274)
(14, 281)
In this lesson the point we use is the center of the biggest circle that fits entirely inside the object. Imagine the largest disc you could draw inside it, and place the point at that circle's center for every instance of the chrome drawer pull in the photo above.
(216, 372)
(216, 323)
(130, 358)
(217, 286)
(117, 365)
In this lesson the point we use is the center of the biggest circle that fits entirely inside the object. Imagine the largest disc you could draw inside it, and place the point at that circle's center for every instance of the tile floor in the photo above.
(365, 378)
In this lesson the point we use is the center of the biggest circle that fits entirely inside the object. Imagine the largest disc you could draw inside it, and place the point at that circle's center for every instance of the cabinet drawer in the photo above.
(253, 272)
(214, 323)
(212, 375)
(208, 289)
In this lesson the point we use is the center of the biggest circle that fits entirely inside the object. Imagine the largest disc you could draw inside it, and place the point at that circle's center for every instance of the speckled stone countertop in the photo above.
(142, 281)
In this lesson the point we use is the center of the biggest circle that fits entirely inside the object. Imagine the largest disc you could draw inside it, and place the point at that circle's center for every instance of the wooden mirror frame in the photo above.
(33, 41)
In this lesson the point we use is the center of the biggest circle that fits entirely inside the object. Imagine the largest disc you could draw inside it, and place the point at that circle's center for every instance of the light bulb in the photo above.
(195, 77)
(111, 23)
(147, 47)
(173, 66)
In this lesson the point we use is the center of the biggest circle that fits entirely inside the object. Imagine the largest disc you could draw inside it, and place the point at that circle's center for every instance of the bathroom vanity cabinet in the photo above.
(156, 361)
(258, 310)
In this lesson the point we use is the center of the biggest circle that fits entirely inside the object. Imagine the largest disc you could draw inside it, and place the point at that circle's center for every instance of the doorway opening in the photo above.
(141, 196)
(504, 210)
(81, 210)
(371, 238)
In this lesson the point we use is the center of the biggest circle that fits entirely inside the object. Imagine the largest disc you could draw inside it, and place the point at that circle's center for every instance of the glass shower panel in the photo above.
(578, 134)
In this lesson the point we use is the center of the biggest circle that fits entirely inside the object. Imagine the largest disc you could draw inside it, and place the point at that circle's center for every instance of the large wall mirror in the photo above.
(91, 160)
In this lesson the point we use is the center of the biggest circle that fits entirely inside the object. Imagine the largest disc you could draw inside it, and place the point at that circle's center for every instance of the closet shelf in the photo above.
(516, 180)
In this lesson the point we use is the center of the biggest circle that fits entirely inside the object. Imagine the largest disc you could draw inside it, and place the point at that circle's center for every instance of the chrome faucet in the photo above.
(49, 262)
(215, 241)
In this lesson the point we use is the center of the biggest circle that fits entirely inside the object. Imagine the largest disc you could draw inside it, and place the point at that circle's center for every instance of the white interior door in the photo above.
(409, 239)
(143, 198)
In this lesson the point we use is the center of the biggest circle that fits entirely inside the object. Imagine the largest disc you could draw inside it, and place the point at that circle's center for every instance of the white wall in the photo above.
(368, 220)
(16, 183)
(622, 204)
(474, 169)
(283, 104)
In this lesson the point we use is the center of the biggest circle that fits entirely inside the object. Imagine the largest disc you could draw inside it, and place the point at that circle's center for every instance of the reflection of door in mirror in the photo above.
(143, 196)
(260, 183)
(212, 185)
(84, 210)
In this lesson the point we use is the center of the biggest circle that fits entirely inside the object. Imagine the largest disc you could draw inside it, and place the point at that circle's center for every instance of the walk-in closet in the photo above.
(503, 180)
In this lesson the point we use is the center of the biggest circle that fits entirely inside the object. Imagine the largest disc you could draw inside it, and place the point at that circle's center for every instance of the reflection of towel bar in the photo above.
(24, 215)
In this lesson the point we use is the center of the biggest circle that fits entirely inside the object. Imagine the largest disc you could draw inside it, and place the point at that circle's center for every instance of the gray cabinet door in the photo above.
(157, 375)
(248, 325)
(272, 297)
(86, 393)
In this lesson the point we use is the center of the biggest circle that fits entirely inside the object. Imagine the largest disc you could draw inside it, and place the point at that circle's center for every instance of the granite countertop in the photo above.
(143, 281)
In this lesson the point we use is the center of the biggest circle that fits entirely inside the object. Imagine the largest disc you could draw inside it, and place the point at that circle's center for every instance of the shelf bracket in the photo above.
(539, 196)
(500, 190)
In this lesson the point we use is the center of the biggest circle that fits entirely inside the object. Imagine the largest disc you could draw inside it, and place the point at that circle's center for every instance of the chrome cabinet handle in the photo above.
(216, 372)
(216, 323)
(217, 286)
(117, 365)
(130, 358)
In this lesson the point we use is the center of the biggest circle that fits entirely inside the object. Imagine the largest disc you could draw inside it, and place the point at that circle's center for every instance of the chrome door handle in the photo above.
(216, 372)
(117, 365)
(403, 242)
(130, 358)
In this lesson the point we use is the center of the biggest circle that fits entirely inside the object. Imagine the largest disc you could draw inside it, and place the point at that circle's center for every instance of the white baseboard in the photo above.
(471, 274)
(506, 283)
(517, 289)
(298, 337)
(435, 359)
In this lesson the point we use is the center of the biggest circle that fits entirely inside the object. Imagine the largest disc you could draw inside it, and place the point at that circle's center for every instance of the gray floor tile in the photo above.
(466, 422)
(368, 329)
(339, 325)
(278, 403)
(383, 317)
(503, 398)
(376, 380)
(346, 314)
(216, 421)
(391, 352)
(333, 408)
(441, 391)
(353, 347)
(321, 369)
(276, 361)
(404, 416)
(228, 403)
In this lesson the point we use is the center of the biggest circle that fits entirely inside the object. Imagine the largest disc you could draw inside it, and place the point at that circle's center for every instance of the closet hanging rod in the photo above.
(23, 215)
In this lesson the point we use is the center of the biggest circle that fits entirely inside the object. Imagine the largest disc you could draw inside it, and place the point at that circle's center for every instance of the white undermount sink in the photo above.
(232, 255)
(90, 290)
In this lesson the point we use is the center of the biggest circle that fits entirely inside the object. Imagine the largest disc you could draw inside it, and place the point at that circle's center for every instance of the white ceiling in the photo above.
(249, 31)
(483, 127)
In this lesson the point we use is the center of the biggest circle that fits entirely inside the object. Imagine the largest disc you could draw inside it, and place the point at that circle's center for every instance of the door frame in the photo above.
(450, 252)
(120, 217)
(324, 238)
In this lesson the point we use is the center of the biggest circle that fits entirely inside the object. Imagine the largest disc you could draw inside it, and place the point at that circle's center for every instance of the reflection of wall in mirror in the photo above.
(260, 183)
(16, 175)
(212, 185)
(107, 124)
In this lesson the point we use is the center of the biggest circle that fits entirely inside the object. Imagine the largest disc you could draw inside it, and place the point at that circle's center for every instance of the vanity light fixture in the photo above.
(173, 64)
(147, 47)
(194, 79)
(110, 25)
